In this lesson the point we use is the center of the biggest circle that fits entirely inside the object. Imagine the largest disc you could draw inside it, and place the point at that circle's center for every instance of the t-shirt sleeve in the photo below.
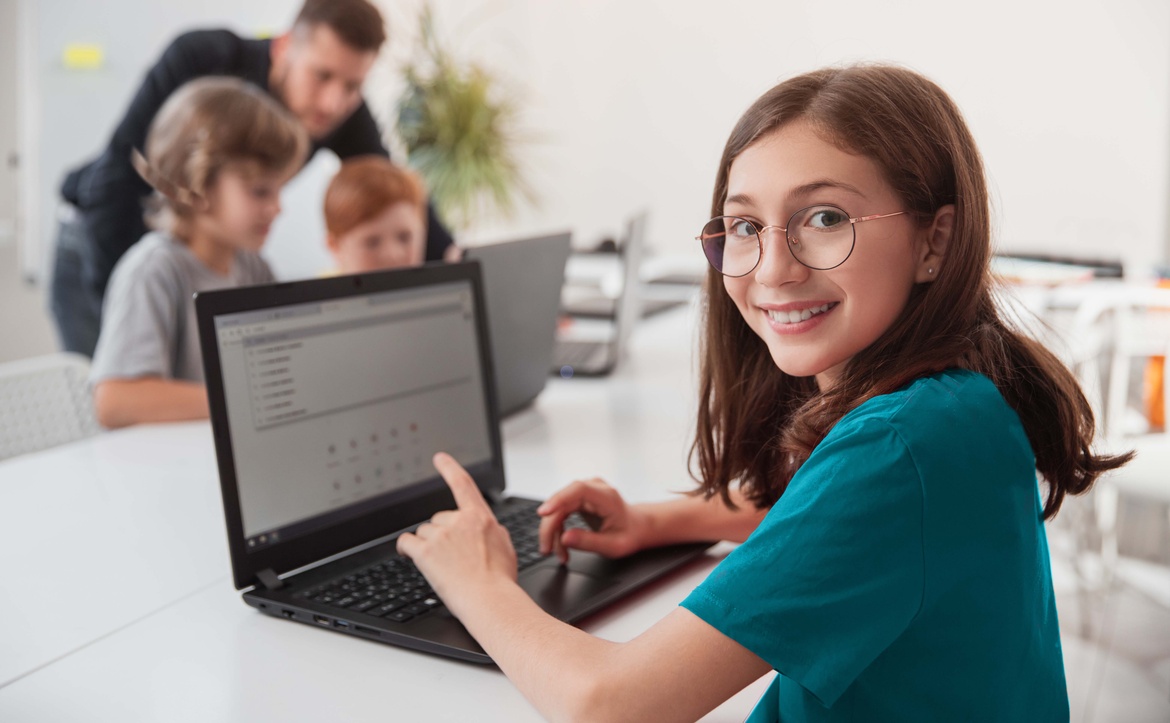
(835, 572)
(140, 323)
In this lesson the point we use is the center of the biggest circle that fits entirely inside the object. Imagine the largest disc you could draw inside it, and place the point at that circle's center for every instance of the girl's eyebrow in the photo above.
(807, 189)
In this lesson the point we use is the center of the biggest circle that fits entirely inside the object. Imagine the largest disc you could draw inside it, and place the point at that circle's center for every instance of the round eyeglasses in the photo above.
(819, 237)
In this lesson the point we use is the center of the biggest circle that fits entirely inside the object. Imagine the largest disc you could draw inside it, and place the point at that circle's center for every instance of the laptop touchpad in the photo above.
(558, 590)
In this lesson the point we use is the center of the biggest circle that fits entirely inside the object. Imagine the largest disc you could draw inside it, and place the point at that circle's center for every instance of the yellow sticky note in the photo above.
(82, 56)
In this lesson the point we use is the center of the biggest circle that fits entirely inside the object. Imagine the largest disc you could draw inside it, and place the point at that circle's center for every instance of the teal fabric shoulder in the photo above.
(904, 573)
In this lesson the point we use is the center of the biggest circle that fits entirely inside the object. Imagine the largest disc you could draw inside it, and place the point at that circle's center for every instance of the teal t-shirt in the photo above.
(904, 573)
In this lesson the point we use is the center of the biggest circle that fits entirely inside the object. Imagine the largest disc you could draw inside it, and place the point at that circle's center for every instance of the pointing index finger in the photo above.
(467, 495)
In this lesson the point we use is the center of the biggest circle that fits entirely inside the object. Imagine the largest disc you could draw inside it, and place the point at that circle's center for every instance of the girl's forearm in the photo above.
(556, 666)
(691, 519)
(677, 670)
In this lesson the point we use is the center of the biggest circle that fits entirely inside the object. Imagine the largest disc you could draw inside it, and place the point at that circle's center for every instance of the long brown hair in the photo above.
(758, 425)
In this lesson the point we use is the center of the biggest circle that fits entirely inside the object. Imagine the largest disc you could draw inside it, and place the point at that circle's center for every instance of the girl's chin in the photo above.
(801, 367)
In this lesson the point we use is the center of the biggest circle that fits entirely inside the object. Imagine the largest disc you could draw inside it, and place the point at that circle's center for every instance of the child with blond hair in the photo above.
(217, 154)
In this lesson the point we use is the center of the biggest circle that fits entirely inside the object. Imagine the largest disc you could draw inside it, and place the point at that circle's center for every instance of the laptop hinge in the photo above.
(269, 579)
(495, 497)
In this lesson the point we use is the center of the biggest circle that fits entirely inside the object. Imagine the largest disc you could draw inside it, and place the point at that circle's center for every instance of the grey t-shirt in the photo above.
(148, 319)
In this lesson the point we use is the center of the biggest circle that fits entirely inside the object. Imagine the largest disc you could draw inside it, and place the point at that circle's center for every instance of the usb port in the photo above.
(341, 624)
(321, 620)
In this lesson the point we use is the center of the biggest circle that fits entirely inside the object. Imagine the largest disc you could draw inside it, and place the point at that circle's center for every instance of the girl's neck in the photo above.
(210, 250)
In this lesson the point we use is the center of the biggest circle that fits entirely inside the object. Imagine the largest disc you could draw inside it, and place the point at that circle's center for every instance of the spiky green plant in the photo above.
(457, 127)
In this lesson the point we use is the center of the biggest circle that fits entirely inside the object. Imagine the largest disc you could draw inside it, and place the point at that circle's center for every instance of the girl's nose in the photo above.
(777, 264)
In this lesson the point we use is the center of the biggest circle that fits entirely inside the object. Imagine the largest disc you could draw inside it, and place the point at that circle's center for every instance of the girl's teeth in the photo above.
(793, 317)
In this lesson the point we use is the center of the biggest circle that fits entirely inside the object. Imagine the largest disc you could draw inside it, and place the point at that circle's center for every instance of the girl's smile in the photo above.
(797, 317)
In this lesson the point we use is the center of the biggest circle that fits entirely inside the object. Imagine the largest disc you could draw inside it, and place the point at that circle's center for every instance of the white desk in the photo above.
(122, 607)
(97, 534)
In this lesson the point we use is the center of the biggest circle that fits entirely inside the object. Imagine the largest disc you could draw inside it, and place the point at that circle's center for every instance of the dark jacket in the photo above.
(109, 193)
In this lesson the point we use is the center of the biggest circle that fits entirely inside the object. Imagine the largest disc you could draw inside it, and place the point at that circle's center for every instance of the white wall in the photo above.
(630, 101)
(24, 322)
(633, 100)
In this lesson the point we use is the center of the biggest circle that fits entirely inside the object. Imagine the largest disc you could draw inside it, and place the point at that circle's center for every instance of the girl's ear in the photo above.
(936, 241)
(332, 243)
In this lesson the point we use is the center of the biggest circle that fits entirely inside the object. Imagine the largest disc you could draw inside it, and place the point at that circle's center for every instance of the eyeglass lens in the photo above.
(820, 237)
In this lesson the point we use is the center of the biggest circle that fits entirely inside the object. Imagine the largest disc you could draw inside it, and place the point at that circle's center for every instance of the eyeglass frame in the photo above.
(853, 221)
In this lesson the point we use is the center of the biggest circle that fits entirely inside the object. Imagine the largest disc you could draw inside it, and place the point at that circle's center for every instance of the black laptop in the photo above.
(328, 398)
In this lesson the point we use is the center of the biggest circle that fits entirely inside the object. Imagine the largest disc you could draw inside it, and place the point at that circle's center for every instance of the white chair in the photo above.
(1084, 344)
(1142, 331)
(44, 402)
(1112, 331)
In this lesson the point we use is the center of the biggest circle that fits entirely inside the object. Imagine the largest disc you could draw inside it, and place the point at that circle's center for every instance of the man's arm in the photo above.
(359, 136)
(110, 192)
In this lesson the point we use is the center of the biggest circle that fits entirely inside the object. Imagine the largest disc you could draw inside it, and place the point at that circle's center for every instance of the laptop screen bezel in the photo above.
(320, 544)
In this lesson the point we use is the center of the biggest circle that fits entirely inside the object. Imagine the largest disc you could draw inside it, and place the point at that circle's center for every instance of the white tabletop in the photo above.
(117, 602)
(97, 534)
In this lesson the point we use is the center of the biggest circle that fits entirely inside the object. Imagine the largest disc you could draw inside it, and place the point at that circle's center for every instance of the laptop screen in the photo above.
(335, 407)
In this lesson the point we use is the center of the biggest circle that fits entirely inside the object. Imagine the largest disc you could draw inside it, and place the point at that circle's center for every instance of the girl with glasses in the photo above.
(870, 429)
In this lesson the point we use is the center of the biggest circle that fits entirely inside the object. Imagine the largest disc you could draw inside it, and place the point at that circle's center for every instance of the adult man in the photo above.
(316, 70)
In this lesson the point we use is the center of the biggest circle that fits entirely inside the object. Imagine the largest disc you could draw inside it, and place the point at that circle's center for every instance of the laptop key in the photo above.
(388, 607)
(400, 616)
(364, 605)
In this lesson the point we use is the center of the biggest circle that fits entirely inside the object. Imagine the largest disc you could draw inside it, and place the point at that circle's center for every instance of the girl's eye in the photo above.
(740, 228)
(825, 217)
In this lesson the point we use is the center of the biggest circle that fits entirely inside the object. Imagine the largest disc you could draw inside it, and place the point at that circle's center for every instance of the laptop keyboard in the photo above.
(574, 353)
(394, 589)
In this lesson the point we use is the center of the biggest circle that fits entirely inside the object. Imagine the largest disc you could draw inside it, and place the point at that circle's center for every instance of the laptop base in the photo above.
(587, 584)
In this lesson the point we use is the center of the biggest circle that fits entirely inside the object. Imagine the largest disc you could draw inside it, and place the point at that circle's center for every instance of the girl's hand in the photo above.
(462, 548)
(617, 527)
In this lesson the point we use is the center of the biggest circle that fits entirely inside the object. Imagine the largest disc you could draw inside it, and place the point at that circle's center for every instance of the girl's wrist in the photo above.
(650, 525)
(481, 595)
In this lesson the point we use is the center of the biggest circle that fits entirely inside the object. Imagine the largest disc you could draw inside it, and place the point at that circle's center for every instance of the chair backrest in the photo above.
(1141, 330)
(1087, 349)
(44, 401)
